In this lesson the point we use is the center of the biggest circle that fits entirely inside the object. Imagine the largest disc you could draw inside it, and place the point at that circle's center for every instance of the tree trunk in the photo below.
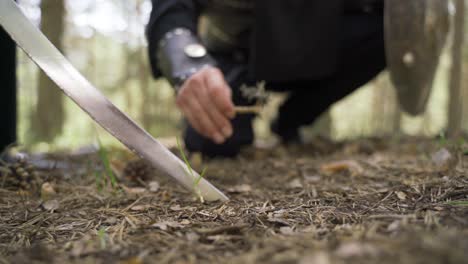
(47, 121)
(465, 87)
(455, 99)
(386, 114)
(465, 98)
(144, 81)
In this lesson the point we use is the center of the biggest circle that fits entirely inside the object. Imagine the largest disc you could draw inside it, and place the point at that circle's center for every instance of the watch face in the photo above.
(195, 51)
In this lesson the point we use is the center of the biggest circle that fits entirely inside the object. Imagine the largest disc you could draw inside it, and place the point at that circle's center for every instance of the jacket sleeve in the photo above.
(167, 15)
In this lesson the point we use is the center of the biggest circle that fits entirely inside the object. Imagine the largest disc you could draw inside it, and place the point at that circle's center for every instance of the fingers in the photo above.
(190, 109)
(217, 120)
(220, 92)
(205, 100)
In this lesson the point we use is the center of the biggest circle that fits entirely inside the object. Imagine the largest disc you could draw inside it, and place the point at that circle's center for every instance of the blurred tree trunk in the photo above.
(147, 103)
(465, 86)
(386, 114)
(128, 76)
(455, 99)
(465, 95)
(144, 80)
(48, 119)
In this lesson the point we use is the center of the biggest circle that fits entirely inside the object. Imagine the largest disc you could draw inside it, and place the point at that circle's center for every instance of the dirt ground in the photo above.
(363, 201)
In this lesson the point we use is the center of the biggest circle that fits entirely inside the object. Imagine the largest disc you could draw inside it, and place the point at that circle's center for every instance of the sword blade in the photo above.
(93, 102)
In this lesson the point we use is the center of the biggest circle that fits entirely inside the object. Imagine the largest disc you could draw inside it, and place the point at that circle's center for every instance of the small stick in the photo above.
(256, 109)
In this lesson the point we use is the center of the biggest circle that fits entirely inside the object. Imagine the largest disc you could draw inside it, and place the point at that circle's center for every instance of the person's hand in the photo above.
(205, 100)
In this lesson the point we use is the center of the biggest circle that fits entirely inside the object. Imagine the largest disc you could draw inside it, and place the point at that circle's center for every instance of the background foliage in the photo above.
(105, 40)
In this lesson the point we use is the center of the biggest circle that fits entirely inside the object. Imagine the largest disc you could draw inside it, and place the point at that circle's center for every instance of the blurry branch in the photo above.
(255, 109)
(456, 100)
(255, 94)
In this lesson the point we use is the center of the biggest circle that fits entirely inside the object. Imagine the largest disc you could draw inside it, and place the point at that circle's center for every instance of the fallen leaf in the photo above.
(166, 196)
(444, 160)
(111, 220)
(317, 258)
(153, 186)
(287, 230)
(166, 224)
(219, 238)
(394, 226)
(278, 217)
(185, 222)
(355, 249)
(192, 236)
(243, 188)
(162, 226)
(140, 207)
(51, 205)
(312, 178)
(176, 208)
(309, 229)
(134, 190)
(295, 184)
(344, 165)
(47, 191)
(401, 195)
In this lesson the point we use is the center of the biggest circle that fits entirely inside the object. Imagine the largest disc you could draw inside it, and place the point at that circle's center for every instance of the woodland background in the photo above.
(105, 40)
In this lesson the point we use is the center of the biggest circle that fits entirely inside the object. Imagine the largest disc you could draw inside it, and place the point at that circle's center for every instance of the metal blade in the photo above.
(75, 86)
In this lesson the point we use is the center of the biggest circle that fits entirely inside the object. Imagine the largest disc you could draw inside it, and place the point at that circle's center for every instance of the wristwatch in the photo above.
(180, 55)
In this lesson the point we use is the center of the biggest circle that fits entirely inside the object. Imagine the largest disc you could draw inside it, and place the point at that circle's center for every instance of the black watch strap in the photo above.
(180, 55)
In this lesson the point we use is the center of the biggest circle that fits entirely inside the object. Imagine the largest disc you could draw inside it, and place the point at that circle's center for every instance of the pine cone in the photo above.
(138, 170)
(20, 175)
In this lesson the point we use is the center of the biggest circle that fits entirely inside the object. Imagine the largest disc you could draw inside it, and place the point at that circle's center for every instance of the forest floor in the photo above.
(362, 201)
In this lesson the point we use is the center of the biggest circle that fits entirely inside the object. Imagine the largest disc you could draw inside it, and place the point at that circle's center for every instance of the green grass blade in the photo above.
(182, 153)
(190, 171)
(99, 180)
(104, 156)
(102, 237)
(458, 203)
(197, 181)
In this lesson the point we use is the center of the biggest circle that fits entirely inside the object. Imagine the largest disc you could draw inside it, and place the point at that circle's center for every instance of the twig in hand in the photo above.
(256, 93)
(256, 109)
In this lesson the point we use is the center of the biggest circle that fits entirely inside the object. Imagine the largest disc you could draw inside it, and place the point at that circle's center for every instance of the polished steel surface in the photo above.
(75, 86)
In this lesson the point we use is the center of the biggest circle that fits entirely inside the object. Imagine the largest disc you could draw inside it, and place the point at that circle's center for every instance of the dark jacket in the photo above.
(287, 40)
